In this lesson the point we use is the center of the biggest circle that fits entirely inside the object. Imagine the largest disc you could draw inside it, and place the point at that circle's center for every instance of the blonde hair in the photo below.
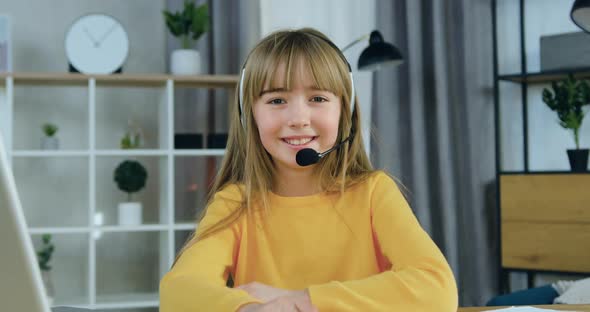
(246, 162)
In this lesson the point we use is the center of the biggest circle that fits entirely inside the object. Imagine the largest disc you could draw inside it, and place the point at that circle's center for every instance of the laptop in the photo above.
(21, 287)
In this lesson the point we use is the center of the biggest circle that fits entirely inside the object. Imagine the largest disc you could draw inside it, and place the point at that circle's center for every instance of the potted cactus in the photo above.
(188, 25)
(130, 177)
(50, 140)
(567, 98)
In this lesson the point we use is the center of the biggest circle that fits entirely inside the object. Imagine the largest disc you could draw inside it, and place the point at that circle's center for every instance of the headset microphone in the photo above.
(308, 156)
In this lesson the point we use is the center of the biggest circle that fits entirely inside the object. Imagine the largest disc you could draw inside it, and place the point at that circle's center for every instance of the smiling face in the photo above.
(294, 118)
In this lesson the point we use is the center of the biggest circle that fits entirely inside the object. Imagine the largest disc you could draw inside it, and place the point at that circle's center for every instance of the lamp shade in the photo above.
(580, 14)
(378, 54)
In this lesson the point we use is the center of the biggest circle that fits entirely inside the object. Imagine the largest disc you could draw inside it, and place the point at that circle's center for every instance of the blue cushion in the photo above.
(538, 295)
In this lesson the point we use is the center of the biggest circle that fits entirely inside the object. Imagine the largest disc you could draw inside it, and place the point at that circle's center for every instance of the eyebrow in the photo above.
(263, 92)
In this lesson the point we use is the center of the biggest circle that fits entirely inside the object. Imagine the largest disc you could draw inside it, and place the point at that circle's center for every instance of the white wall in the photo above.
(342, 21)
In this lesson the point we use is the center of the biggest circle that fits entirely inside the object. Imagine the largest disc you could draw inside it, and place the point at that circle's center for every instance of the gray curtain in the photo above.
(234, 29)
(434, 129)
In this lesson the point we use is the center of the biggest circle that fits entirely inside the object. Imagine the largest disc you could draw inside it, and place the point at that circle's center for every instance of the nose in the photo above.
(299, 114)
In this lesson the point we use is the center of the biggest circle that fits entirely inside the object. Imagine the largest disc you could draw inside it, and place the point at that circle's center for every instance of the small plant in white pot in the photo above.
(50, 140)
(130, 177)
(44, 257)
(188, 25)
(132, 138)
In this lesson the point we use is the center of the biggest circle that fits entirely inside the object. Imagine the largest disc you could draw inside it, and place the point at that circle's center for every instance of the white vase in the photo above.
(130, 213)
(49, 143)
(185, 62)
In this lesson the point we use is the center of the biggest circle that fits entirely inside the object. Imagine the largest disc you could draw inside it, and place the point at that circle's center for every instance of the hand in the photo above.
(264, 292)
(298, 302)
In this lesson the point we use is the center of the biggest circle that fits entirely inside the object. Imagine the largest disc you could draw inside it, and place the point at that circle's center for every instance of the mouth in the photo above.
(299, 142)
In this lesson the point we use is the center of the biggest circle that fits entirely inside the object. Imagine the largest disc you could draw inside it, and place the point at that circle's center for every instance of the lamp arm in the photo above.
(364, 37)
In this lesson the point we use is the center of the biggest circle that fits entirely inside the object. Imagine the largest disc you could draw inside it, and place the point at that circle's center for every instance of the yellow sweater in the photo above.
(364, 251)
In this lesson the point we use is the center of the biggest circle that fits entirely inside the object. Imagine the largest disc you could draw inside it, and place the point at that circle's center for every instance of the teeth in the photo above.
(298, 141)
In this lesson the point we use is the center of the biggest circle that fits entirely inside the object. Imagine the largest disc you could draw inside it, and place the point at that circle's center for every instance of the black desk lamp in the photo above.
(580, 14)
(378, 54)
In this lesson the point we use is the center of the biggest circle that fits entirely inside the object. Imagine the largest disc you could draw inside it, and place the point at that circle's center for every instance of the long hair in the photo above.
(246, 163)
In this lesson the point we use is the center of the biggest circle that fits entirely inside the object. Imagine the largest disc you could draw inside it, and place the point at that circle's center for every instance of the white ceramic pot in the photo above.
(130, 213)
(49, 143)
(185, 62)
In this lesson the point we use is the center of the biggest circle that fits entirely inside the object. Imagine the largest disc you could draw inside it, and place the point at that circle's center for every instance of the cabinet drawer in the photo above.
(546, 221)
(545, 197)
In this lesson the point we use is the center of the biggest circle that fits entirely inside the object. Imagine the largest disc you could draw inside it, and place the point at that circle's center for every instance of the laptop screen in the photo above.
(21, 288)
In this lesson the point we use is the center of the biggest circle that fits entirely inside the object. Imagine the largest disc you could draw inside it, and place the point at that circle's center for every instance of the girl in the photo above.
(332, 236)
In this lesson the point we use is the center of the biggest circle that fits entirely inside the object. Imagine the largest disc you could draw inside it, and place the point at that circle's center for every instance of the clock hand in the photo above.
(106, 34)
(94, 42)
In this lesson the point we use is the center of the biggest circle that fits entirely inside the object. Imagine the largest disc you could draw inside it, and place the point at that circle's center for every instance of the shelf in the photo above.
(546, 76)
(132, 152)
(40, 153)
(185, 226)
(115, 302)
(200, 152)
(81, 302)
(541, 172)
(141, 300)
(122, 80)
(131, 228)
(58, 230)
(137, 152)
(125, 301)
(112, 228)
(115, 267)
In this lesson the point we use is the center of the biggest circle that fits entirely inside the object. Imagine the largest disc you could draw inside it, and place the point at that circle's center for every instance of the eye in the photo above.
(319, 99)
(276, 101)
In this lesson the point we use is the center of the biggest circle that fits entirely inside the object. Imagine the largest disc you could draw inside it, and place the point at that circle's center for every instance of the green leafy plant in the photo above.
(567, 98)
(49, 129)
(45, 253)
(130, 177)
(189, 24)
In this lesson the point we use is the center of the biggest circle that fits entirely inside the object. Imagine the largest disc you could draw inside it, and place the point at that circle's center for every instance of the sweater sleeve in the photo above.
(415, 277)
(197, 281)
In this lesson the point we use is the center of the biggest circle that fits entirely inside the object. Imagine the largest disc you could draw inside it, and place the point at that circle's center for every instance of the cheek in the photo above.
(267, 126)
(330, 124)
(332, 128)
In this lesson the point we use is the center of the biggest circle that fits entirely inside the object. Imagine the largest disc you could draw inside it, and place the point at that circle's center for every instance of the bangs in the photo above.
(285, 54)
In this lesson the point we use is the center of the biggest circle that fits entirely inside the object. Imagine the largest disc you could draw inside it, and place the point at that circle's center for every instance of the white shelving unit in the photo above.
(104, 249)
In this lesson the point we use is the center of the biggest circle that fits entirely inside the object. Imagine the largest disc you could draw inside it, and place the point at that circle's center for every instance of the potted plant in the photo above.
(44, 257)
(132, 138)
(49, 141)
(188, 25)
(130, 177)
(567, 98)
